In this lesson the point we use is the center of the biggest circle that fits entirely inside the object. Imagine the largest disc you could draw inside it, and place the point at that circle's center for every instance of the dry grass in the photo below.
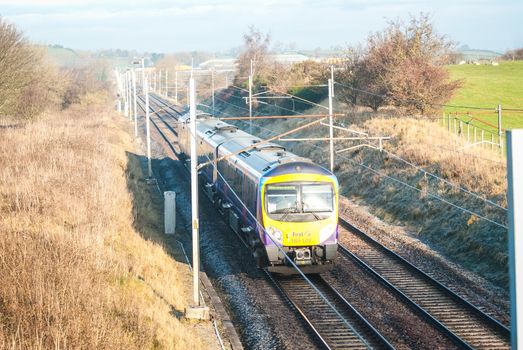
(76, 274)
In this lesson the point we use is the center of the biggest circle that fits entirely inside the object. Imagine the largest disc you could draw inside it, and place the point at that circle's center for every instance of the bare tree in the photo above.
(404, 66)
(349, 76)
(512, 55)
(256, 48)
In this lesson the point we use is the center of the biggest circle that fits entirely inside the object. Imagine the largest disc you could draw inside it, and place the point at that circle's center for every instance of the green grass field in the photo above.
(486, 86)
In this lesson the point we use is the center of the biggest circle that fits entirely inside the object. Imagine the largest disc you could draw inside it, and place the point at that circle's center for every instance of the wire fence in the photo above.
(477, 132)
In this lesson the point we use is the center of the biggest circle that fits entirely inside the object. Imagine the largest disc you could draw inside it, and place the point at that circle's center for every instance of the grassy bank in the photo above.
(76, 270)
(486, 86)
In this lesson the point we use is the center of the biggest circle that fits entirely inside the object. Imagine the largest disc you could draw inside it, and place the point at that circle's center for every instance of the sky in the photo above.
(184, 25)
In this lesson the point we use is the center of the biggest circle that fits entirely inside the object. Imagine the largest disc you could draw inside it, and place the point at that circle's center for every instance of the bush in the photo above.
(28, 83)
(403, 66)
(512, 55)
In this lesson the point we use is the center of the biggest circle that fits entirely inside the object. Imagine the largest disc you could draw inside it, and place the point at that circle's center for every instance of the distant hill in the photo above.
(65, 57)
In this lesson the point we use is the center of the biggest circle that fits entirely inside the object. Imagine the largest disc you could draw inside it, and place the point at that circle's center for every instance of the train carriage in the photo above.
(293, 201)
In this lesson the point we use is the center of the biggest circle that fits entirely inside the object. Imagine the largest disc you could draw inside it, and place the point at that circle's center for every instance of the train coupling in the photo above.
(303, 256)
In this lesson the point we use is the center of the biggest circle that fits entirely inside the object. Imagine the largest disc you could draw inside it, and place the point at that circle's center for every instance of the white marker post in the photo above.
(129, 81)
(166, 83)
(515, 220)
(125, 93)
(196, 311)
(250, 101)
(155, 74)
(160, 82)
(194, 197)
(143, 71)
(212, 90)
(169, 212)
(134, 105)
(148, 130)
(331, 129)
(176, 87)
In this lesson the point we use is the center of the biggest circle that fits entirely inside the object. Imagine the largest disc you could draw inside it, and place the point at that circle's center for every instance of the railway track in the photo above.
(165, 129)
(351, 331)
(464, 323)
(331, 330)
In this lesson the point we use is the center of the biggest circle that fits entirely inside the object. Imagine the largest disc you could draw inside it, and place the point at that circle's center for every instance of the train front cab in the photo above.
(299, 212)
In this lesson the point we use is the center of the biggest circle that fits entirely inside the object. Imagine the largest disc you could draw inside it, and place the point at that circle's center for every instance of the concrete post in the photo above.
(169, 212)
(135, 106)
(515, 220)
(197, 310)
(143, 70)
(212, 90)
(194, 196)
(176, 87)
(331, 131)
(148, 130)
(126, 102)
(166, 83)
(250, 100)
(130, 79)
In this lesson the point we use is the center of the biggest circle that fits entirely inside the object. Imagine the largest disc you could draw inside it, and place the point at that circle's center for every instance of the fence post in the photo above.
(475, 137)
(499, 125)
(482, 137)
(468, 132)
(448, 121)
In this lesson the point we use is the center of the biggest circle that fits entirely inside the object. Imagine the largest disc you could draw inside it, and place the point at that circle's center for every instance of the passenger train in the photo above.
(293, 201)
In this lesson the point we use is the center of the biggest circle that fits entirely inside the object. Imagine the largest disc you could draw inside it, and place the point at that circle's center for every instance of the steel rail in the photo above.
(406, 281)
(332, 333)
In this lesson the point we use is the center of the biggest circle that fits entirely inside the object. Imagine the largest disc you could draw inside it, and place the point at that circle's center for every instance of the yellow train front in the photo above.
(279, 203)
(298, 207)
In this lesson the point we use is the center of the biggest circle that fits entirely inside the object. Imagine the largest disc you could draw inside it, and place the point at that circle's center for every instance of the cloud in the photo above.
(166, 25)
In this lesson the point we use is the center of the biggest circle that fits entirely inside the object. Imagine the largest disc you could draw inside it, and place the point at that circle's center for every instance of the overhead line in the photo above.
(408, 185)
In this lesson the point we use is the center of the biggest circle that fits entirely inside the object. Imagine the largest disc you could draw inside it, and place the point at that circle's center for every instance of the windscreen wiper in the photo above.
(288, 211)
(311, 211)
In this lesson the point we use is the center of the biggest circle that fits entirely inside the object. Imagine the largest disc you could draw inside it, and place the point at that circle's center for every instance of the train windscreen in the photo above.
(299, 202)
(317, 198)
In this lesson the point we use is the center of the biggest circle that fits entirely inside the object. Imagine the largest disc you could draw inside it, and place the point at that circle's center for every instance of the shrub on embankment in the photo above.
(31, 83)
(75, 272)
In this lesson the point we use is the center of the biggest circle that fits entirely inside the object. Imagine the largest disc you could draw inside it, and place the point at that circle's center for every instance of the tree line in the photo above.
(404, 65)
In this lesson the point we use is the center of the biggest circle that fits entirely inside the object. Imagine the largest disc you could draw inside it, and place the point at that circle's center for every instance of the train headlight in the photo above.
(326, 232)
(274, 233)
